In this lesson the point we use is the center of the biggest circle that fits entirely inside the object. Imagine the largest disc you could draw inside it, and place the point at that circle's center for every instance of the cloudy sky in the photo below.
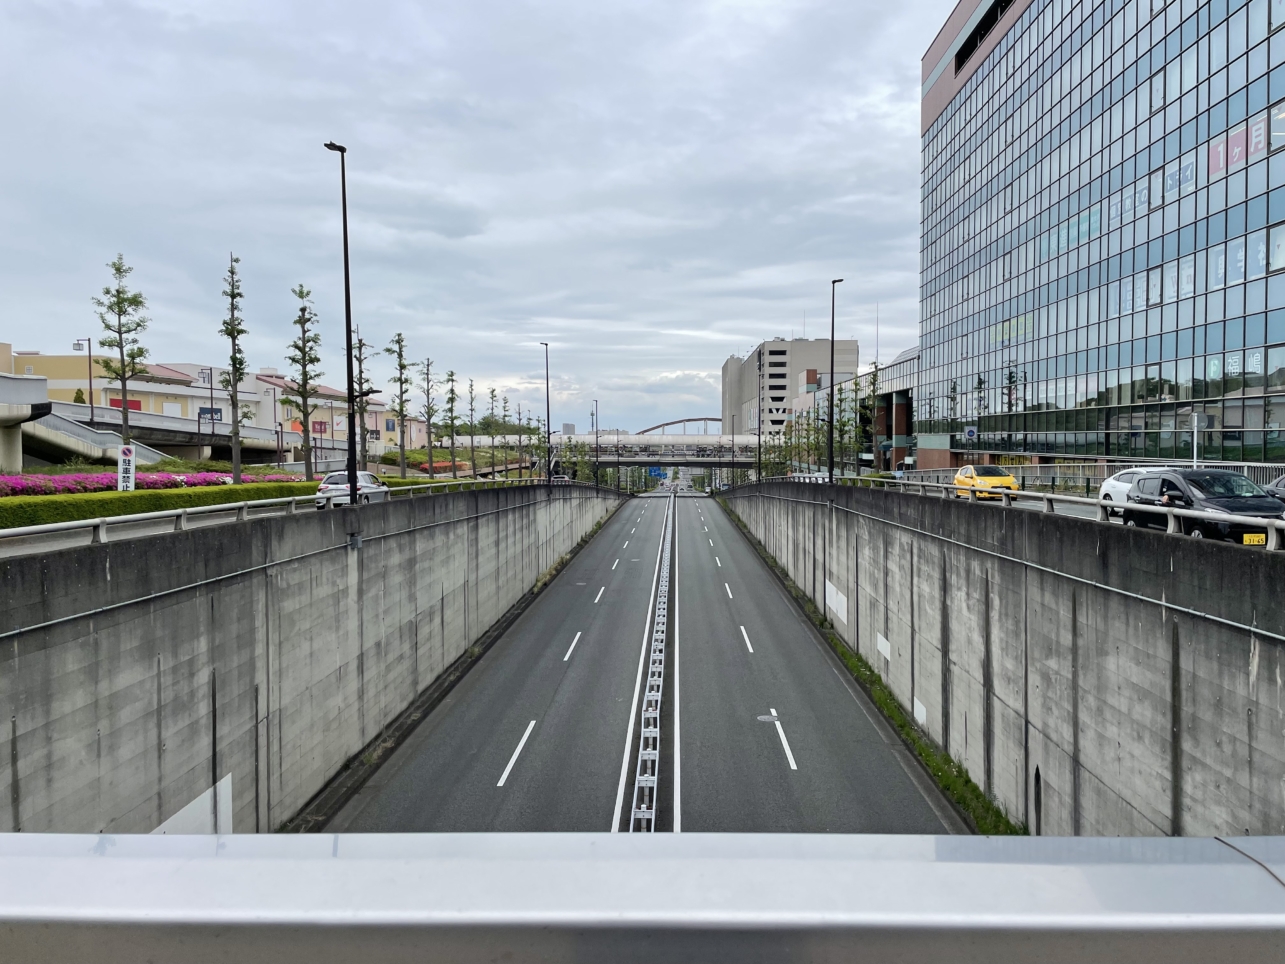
(648, 185)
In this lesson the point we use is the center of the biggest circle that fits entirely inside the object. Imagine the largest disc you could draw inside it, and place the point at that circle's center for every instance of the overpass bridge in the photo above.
(700, 451)
(431, 666)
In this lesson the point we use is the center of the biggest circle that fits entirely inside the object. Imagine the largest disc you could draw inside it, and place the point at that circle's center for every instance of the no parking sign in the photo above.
(125, 469)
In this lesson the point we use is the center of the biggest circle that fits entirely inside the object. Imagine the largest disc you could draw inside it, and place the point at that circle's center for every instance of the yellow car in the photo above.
(983, 478)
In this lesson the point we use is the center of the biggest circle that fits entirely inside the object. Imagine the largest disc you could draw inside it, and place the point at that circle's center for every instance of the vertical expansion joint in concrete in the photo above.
(1075, 715)
(160, 746)
(944, 645)
(1175, 732)
(988, 692)
(15, 798)
(214, 751)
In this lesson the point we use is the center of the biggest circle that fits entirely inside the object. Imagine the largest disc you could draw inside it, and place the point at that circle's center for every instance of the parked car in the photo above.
(1276, 488)
(1209, 490)
(983, 477)
(1116, 488)
(333, 489)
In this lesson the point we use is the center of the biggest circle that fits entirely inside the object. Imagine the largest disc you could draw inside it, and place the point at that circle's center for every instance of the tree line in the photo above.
(122, 312)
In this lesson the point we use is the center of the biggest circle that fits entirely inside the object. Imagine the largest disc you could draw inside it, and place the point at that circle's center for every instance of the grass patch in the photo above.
(34, 510)
(950, 775)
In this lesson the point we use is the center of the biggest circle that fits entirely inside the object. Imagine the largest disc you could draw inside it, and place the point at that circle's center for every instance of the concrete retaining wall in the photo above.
(270, 650)
(998, 631)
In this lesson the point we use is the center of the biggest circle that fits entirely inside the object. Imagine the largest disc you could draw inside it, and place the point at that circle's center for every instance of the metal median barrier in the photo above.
(97, 530)
(1100, 510)
(316, 899)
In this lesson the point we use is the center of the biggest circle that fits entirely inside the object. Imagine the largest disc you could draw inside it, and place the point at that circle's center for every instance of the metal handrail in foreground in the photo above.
(1048, 502)
(288, 504)
(322, 898)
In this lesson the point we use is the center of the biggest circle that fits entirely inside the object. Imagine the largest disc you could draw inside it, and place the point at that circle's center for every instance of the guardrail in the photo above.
(634, 898)
(287, 505)
(1104, 509)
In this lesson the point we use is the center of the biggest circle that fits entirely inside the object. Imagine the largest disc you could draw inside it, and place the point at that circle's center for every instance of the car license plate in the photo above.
(1255, 538)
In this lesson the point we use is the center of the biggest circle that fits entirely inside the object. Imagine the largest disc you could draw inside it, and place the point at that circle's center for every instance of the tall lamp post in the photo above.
(830, 429)
(89, 347)
(548, 422)
(352, 401)
(597, 429)
(759, 469)
(733, 478)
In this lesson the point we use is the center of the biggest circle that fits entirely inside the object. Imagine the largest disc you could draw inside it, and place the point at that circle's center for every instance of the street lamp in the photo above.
(758, 472)
(209, 378)
(89, 345)
(830, 430)
(548, 422)
(733, 450)
(352, 401)
(596, 452)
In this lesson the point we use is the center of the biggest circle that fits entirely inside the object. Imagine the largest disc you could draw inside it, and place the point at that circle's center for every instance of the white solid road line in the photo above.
(614, 564)
(599, 596)
(514, 759)
(743, 633)
(678, 715)
(633, 706)
(720, 564)
(785, 743)
(573, 646)
(729, 590)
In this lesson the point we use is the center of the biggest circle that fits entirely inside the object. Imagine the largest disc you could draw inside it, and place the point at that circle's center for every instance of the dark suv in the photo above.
(1208, 490)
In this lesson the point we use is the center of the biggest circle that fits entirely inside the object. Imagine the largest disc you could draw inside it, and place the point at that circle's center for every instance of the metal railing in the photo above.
(1102, 509)
(1075, 476)
(330, 898)
(97, 529)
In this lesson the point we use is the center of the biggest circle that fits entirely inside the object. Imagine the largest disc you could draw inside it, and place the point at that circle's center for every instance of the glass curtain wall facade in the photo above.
(1103, 243)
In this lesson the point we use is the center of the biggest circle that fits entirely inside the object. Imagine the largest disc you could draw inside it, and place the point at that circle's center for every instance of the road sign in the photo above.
(970, 433)
(125, 469)
(655, 471)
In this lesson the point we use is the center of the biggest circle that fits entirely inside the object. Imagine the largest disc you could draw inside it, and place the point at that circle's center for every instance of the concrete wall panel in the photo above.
(1030, 641)
(137, 674)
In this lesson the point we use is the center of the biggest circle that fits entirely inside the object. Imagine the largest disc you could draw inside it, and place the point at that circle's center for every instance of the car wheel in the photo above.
(1131, 522)
(365, 500)
(1197, 533)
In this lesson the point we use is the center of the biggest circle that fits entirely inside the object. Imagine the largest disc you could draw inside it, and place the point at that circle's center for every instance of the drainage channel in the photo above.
(647, 775)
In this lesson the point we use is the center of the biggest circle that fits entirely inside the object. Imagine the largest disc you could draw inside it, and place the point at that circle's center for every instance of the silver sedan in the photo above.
(333, 489)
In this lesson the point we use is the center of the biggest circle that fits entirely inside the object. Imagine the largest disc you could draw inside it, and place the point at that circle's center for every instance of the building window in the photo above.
(984, 27)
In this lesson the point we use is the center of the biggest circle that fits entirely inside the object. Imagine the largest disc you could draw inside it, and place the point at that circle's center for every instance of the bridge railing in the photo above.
(1102, 509)
(636, 898)
(98, 529)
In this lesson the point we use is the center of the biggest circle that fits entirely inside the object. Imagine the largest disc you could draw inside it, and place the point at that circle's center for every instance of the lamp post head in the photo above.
(837, 281)
(76, 345)
(332, 146)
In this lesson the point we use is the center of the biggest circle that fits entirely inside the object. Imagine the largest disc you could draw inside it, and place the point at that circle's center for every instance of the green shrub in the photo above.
(33, 510)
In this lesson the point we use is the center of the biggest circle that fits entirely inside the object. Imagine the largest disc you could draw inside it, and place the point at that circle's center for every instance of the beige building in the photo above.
(783, 375)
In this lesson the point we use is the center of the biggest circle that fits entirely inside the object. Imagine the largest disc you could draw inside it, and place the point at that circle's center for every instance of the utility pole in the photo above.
(830, 431)
(352, 401)
(548, 424)
(759, 468)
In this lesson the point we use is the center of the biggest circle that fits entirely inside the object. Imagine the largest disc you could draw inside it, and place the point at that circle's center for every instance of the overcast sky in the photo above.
(649, 186)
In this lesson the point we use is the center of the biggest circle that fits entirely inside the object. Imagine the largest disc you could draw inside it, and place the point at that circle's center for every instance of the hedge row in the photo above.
(33, 510)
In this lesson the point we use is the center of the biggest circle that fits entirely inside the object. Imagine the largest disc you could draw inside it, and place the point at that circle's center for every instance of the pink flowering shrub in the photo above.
(106, 482)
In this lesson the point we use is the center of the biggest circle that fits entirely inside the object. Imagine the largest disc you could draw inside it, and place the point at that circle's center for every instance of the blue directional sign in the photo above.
(656, 472)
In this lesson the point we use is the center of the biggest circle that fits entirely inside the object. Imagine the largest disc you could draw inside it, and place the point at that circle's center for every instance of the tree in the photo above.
(121, 312)
(472, 427)
(491, 393)
(365, 388)
(233, 329)
(452, 399)
(429, 409)
(304, 358)
(401, 382)
(79, 397)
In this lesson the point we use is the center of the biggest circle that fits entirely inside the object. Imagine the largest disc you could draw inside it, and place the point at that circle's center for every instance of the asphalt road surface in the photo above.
(535, 737)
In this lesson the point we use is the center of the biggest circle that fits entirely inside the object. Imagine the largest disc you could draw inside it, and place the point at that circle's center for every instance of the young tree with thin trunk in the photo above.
(452, 420)
(121, 312)
(506, 461)
(472, 427)
(429, 409)
(233, 329)
(304, 359)
(364, 387)
(401, 381)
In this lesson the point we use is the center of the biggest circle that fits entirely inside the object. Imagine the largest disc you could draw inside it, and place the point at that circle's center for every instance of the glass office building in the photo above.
(1103, 231)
